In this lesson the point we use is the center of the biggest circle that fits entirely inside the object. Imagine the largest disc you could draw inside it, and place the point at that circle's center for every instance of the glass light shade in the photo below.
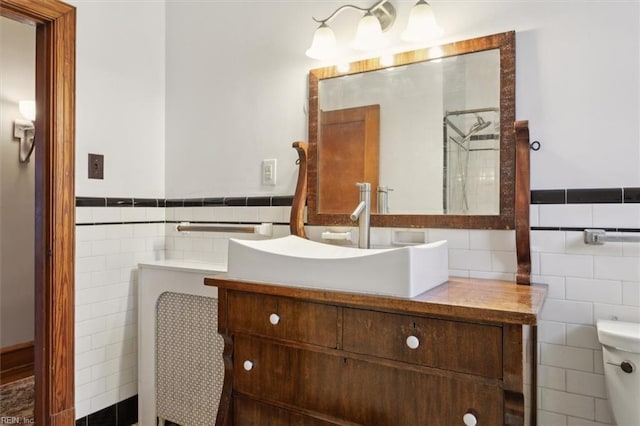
(28, 109)
(323, 45)
(422, 24)
(369, 34)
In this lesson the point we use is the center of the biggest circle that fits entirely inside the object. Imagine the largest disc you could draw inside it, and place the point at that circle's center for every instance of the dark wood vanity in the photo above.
(301, 356)
(462, 353)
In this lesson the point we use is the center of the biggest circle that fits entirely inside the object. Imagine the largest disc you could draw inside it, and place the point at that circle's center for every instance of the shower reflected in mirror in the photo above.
(471, 166)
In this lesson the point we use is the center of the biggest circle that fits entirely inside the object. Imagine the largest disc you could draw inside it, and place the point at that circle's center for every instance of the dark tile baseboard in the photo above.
(123, 413)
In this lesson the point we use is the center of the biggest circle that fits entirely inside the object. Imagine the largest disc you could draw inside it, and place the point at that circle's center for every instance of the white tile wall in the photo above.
(106, 319)
(456, 238)
(551, 419)
(551, 377)
(552, 332)
(566, 265)
(212, 246)
(616, 215)
(565, 215)
(631, 293)
(591, 290)
(585, 283)
(571, 404)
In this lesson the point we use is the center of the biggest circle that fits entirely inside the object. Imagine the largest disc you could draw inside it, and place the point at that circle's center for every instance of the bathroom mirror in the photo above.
(430, 129)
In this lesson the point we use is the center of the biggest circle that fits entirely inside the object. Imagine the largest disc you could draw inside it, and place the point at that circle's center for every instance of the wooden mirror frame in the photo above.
(505, 42)
(54, 205)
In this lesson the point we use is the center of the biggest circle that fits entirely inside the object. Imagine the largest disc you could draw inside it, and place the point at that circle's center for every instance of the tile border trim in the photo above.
(133, 222)
(219, 222)
(581, 229)
(177, 222)
(586, 196)
(257, 201)
(627, 195)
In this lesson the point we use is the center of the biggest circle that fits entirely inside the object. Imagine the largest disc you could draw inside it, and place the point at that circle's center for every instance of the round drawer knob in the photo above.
(248, 365)
(413, 342)
(274, 319)
(469, 419)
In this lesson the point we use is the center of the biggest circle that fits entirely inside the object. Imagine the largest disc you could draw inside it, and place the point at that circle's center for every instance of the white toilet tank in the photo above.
(621, 353)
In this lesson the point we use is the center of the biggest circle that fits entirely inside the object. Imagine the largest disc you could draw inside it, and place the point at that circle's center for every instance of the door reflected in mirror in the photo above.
(443, 136)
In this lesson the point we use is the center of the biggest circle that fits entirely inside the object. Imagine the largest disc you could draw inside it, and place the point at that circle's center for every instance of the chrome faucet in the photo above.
(362, 214)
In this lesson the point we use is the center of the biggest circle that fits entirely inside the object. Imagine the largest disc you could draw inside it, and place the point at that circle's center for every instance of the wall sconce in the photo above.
(377, 19)
(25, 130)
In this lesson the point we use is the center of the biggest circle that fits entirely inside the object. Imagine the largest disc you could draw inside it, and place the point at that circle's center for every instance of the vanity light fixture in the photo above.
(377, 19)
(24, 129)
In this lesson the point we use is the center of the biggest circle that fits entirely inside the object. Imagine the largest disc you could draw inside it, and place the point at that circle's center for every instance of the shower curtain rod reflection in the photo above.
(455, 128)
(470, 111)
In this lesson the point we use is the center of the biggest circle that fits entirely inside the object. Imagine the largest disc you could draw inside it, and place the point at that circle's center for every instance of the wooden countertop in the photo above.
(463, 298)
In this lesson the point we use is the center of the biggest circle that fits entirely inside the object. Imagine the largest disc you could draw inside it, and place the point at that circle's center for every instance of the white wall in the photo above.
(236, 93)
(120, 97)
(120, 109)
(236, 84)
(580, 94)
(17, 186)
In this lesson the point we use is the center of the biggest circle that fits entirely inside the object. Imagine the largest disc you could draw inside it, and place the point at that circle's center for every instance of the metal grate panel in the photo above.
(189, 365)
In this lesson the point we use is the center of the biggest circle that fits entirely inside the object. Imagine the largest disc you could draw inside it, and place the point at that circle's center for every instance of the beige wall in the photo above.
(17, 81)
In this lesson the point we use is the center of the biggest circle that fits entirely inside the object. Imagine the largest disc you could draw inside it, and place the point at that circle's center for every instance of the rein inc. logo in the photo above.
(14, 420)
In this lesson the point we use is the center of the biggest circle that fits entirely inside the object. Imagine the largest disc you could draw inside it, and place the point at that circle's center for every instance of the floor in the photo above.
(22, 372)
(16, 401)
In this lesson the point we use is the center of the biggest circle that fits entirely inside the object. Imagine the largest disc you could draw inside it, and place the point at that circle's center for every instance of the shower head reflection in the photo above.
(479, 125)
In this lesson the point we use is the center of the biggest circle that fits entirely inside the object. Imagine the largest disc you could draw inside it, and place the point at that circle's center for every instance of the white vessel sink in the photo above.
(402, 272)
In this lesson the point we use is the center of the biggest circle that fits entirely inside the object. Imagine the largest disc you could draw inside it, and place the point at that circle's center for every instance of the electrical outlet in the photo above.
(96, 166)
(269, 172)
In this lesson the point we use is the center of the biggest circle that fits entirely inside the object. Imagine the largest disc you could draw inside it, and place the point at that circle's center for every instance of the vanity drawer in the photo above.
(355, 391)
(273, 372)
(283, 318)
(451, 345)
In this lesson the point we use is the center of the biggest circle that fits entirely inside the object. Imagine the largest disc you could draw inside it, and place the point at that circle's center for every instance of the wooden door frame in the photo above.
(54, 204)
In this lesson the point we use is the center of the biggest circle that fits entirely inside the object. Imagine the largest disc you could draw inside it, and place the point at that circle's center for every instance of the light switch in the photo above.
(269, 172)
